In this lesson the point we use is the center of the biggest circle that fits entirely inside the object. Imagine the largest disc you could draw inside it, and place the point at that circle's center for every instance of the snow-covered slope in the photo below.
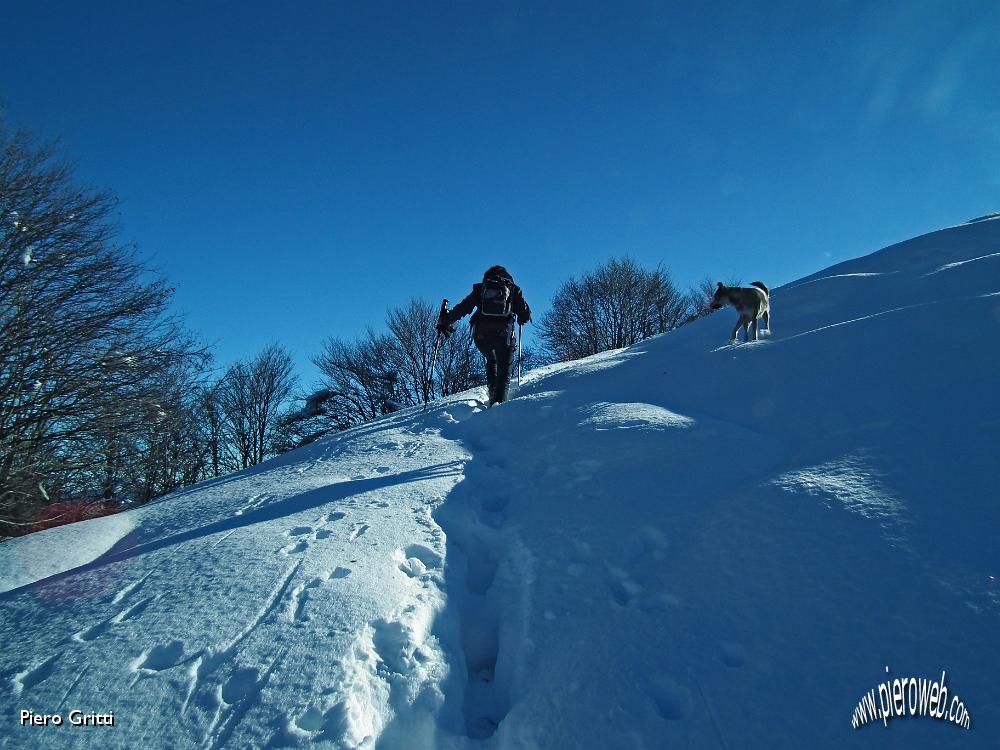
(682, 544)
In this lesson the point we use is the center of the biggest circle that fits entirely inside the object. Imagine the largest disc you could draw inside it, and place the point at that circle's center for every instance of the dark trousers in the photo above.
(498, 348)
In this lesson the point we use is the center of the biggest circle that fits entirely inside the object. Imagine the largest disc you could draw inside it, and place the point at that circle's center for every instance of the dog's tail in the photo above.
(760, 285)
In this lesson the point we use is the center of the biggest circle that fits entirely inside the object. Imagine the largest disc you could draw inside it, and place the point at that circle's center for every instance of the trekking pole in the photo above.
(430, 377)
(437, 344)
(520, 327)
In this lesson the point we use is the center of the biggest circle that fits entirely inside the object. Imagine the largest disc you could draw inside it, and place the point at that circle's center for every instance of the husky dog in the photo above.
(751, 303)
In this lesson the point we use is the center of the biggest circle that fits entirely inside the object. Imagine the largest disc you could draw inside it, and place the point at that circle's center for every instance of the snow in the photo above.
(681, 544)
(956, 264)
(604, 416)
(47, 553)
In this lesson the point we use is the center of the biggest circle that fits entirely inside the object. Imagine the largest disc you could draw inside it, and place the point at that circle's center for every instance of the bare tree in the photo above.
(166, 450)
(318, 416)
(412, 333)
(171, 450)
(252, 394)
(84, 334)
(411, 348)
(208, 412)
(614, 306)
(383, 372)
(357, 376)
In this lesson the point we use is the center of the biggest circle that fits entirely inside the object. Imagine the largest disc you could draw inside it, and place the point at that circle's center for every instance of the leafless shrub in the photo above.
(614, 306)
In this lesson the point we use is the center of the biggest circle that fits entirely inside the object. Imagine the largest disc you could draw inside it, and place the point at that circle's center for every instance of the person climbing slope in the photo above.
(498, 301)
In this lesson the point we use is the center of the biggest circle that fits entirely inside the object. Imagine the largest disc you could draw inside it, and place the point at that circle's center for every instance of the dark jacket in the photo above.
(518, 307)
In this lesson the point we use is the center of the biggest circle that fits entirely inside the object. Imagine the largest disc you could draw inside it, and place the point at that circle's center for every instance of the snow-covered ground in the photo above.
(682, 544)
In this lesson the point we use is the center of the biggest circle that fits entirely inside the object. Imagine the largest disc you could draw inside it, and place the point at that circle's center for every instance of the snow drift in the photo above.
(681, 544)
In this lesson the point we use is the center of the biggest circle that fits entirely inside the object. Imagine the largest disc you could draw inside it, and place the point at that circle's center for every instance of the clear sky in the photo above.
(294, 168)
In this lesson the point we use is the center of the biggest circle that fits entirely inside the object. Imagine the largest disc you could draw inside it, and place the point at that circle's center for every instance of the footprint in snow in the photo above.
(242, 683)
(394, 646)
(495, 502)
(134, 611)
(92, 633)
(129, 613)
(159, 658)
(296, 548)
(335, 516)
(300, 596)
(624, 590)
(416, 560)
(460, 411)
(329, 724)
(733, 654)
(299, 531)
(33, 675)
(671, 700)
(323, 534)
(358, 530)
(131, 588)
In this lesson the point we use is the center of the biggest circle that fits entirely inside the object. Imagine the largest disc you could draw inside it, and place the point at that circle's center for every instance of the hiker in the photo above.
(499, 302)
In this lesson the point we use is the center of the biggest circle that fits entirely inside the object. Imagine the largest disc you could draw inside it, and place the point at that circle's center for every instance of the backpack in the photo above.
(495, 301)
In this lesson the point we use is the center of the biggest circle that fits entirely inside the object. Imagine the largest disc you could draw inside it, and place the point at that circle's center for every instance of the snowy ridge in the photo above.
(680, 544)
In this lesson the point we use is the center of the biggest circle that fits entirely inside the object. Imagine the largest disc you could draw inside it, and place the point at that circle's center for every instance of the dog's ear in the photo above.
(720, 285)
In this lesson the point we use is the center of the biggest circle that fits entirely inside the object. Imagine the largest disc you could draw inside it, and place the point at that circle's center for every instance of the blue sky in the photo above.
(294, 169)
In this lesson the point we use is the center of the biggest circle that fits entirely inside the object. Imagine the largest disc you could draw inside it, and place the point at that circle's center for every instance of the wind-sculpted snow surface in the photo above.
(683, 544)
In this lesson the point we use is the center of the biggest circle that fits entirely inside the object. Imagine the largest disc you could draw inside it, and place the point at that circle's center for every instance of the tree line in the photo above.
(107, 400)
